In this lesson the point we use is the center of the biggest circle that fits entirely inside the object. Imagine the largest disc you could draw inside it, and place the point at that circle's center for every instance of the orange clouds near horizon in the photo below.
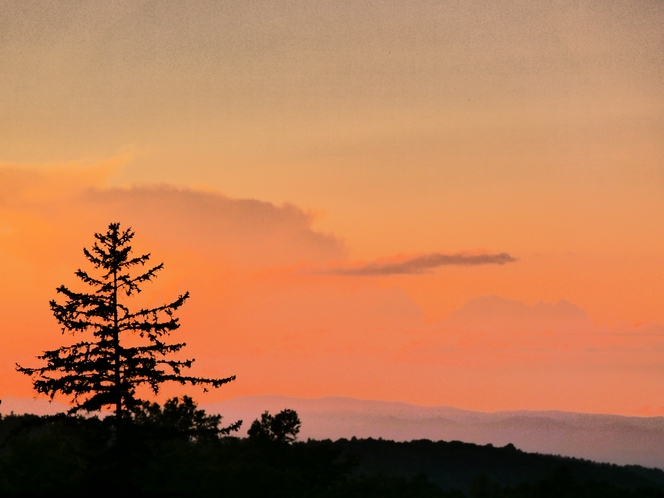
(256, 314)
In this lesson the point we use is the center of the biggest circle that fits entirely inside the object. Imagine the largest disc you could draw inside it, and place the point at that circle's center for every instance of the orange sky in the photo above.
(257, 148)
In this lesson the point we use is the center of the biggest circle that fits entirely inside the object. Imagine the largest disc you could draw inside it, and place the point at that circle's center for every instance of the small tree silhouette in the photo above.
(282, 427)
(106, 371)
(182, 419)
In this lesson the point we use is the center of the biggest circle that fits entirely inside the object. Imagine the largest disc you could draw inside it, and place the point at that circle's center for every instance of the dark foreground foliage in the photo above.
(176, 451)
(455, 465)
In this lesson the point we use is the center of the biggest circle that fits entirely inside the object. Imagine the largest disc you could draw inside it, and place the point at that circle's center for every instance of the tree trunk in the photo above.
(116, 348)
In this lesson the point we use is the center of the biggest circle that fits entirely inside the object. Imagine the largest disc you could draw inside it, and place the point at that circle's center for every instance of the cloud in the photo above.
(66, 203)
(423, 264)
(500, 316)
(244, 232)
(27, 184)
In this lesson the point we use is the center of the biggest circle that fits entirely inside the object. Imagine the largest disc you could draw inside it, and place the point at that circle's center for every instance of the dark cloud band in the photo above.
(424, 264)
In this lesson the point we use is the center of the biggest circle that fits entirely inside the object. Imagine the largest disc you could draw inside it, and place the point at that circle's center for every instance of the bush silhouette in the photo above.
(282, 427)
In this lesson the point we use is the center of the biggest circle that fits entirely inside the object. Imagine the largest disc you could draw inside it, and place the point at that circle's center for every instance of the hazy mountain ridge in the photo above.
(605, 438)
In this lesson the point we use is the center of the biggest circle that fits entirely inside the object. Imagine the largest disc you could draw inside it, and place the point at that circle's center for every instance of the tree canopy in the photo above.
(282, 427)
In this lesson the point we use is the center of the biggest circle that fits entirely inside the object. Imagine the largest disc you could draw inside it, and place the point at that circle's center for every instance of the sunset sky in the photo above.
(441, 202)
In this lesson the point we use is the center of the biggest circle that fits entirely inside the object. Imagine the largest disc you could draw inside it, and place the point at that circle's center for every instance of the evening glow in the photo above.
(443, 203)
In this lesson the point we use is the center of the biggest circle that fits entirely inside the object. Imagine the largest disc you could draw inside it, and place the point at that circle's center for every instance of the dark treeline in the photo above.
(174, 451)
(493, 471)
(173, 454)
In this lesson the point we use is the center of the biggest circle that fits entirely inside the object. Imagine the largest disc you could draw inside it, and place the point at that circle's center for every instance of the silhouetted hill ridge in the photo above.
(454, 464)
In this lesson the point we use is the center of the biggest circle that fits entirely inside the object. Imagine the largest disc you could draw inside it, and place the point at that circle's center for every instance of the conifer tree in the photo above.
(107, 369)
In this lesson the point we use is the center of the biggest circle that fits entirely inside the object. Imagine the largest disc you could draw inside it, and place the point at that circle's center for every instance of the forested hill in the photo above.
(153, 456)
(454, 465)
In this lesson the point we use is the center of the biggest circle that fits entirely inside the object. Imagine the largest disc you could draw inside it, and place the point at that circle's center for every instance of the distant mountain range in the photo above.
(603, 438)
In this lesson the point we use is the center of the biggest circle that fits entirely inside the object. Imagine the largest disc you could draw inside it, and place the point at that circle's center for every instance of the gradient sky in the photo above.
(321, 174)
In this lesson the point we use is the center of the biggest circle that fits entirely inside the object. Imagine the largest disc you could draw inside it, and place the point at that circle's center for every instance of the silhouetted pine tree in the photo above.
(106, 370)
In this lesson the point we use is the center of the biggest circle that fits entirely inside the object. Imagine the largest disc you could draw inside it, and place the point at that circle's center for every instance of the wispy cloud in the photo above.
(424, 264)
